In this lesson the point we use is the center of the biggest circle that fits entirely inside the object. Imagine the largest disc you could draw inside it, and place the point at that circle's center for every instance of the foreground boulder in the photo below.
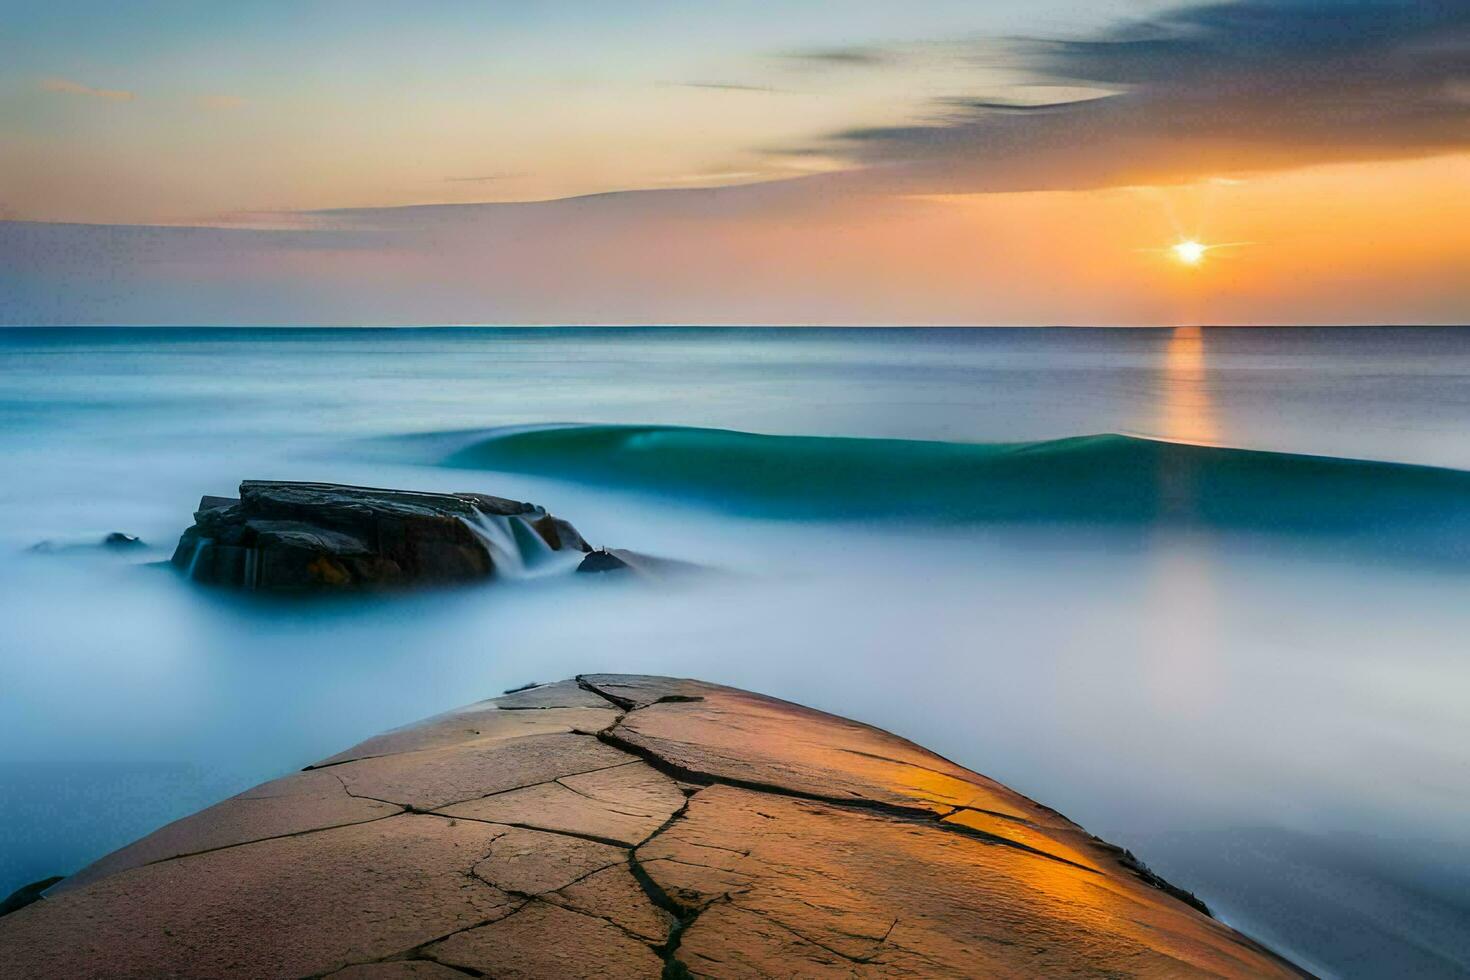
(321, 536)
(624, 826)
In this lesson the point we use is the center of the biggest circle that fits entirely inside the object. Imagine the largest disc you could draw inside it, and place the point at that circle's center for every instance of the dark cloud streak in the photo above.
(725, 86)
(483, 179)
(1260, 84)
(842, 57)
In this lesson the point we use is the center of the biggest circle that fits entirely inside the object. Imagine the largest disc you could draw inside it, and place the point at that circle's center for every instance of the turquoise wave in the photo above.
(1108, 480)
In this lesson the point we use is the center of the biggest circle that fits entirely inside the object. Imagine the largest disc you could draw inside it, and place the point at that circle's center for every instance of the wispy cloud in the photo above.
(718, 177)
(484, 178)
(1212, 88)
(725, 86)
(842, 57)
(69, 87)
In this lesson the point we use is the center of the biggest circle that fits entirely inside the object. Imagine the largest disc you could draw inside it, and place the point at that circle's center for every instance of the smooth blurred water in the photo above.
(1281, 727)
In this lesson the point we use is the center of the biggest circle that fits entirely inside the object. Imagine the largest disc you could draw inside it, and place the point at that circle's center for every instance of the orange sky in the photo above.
(929, 168)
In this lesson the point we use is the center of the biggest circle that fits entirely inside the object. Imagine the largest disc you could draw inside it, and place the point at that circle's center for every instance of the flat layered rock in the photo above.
(294, 804)
(306, 537)
(624, 826)
(287, 906)
(622, 805)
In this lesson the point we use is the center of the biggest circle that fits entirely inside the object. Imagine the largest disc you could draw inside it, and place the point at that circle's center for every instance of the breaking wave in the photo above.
(1100, 480)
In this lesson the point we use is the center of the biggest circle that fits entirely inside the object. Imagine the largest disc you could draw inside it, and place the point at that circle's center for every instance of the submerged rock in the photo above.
(115, 541)
(636, 562)
(297, 537)
(119, 539)
(601, 560)
(624, 826)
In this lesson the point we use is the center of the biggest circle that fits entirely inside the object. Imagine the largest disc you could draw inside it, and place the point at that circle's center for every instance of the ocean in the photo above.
(1202, 590)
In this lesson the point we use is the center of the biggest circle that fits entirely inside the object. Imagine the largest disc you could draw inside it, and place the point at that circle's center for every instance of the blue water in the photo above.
(1203, 591)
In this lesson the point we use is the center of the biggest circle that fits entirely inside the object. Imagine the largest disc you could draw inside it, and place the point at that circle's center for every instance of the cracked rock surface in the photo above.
(624, 826)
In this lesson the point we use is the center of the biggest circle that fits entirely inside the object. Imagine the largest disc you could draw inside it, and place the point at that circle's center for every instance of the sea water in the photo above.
(1204, 591)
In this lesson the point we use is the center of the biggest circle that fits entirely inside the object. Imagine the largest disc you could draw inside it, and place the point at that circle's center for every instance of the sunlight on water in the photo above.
(1187, 413)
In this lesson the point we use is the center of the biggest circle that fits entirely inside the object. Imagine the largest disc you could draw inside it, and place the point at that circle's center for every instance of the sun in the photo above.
(1190, 252)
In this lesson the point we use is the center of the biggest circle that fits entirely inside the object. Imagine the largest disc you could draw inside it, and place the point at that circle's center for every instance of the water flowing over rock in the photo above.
(301, 537)
(625, 826)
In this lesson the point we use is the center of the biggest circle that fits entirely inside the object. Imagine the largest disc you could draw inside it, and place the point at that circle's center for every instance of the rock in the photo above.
(26, 894)
(117, 539)
(625, 826)
(546, 940)
(601, 560)
(559, 534)
(308, 537)
(294, 804)
(647, 566)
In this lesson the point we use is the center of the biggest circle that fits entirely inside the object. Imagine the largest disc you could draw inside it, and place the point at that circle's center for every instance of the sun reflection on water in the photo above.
(1186, 409)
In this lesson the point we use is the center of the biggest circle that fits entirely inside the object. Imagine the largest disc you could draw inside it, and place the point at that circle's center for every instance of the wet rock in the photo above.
(601, 560)
(311, 537)
(637, 563)
(625, 826)
(559, 534)
(117, 539)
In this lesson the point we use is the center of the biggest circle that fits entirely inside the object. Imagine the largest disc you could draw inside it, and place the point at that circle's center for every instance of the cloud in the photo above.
(69, 87)
(725, 86)
(484, 178)
(719, 176)
(1219, 87)
(842, 57)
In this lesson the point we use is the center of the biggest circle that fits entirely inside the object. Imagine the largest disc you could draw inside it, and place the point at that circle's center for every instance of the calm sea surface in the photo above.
(1271, 710)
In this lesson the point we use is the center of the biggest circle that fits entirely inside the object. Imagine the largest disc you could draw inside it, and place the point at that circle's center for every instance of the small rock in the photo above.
(26, 894)
(601, 560)
(116, 541)
(638, 563)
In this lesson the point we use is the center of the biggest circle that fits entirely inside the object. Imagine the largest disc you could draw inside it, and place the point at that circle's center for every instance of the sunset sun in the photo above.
(1190, 252)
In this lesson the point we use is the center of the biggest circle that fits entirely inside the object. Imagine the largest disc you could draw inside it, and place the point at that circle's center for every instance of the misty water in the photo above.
(1257, 679)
